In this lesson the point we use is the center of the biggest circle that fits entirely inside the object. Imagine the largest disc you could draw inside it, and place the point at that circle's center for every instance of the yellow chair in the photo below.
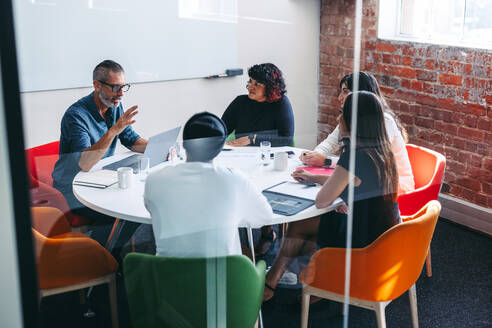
(380, 272)
(69, 261)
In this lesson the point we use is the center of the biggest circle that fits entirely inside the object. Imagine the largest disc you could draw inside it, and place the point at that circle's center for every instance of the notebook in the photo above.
(98, 179)
(156, 150)
(317, 169)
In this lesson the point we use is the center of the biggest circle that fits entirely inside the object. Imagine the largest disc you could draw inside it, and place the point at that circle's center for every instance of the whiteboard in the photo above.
(59, 42)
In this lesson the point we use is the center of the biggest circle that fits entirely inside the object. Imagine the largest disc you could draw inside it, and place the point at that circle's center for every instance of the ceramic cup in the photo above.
(125, 177)
(280, 161)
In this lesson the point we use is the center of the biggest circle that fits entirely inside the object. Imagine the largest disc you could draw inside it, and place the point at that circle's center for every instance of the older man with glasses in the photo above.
(89, 132)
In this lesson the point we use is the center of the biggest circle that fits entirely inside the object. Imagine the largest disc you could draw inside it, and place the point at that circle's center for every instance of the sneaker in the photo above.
(288, 278)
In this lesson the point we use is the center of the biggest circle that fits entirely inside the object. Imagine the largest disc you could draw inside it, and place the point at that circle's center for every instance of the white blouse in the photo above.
(406, 182)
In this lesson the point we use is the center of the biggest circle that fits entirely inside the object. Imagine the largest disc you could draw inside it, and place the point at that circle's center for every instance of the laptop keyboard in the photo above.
(286, 204)
(130, 161)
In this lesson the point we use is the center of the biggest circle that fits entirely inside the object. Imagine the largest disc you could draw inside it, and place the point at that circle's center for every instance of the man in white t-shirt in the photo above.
(196, 207)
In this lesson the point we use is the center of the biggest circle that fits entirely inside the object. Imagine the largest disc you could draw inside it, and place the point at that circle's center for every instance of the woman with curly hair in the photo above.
(264, 113)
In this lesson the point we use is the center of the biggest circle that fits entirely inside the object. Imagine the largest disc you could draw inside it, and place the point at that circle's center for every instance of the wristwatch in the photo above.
(327, 162)
(251, 137)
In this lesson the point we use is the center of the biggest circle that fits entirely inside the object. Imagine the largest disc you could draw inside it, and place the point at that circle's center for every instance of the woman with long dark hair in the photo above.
(265, 113)
(376, 185)
(327, 151)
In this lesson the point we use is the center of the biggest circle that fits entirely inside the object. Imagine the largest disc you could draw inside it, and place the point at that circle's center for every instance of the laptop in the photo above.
(289, 198)
(156, 150)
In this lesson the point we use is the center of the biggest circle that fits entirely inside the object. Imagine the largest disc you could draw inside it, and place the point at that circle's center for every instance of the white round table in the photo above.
(128, 204)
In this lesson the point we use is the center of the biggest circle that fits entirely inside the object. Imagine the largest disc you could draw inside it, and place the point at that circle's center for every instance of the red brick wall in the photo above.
(443, 95)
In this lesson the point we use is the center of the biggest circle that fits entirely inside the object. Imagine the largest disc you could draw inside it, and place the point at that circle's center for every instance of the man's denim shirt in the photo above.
(81, 127)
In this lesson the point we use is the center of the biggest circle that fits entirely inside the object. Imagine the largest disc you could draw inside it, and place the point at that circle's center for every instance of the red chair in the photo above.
(428, 170)
(41, 161)
(40, 164)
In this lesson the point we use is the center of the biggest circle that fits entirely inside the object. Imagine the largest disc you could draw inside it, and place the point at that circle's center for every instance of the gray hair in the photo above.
(101, 71)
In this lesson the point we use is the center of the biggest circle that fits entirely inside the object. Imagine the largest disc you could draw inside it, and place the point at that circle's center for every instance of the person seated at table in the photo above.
(89, 132)
(197, 207)
(375, 190)
(325, 154)
(265, 113)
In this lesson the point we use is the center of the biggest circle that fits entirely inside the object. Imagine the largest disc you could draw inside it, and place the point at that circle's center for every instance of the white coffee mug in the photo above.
(280, 161)
(125, 177)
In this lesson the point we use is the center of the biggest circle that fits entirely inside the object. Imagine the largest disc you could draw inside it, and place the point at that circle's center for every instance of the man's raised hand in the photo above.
(125, 120)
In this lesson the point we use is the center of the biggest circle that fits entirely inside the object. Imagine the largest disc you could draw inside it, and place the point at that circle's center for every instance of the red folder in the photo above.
(317, 170)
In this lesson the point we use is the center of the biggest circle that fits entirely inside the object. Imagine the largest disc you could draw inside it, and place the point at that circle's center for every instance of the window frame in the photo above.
(389, 20)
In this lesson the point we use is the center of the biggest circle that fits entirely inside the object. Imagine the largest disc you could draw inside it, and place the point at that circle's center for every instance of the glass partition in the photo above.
(301, 165)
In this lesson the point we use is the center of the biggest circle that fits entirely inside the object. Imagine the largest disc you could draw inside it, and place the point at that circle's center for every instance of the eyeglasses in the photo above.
(346, 91)
(116, 87)
(254, 84)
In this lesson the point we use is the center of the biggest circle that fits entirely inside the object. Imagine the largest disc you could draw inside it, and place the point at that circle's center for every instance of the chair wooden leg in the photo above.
(113, 300)
(380, 314)
(412, 293)
(428, 264)
(305, 309)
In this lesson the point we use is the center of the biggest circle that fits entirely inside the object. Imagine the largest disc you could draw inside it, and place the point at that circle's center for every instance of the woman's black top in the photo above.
(269, 121)
(373, 215)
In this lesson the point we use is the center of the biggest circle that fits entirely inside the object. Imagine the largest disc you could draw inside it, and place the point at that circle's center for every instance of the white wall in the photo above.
(10, 299)
(285, 32)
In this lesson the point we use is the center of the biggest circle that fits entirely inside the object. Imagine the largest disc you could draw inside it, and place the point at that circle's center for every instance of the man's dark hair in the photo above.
(101, 71)
(204, 136)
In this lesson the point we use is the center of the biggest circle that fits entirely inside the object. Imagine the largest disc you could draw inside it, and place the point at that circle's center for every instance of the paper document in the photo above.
(296, 189)
(97, 179)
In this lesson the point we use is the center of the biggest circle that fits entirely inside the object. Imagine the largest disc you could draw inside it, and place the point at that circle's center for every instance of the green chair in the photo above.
(193, 292)
(232, 136)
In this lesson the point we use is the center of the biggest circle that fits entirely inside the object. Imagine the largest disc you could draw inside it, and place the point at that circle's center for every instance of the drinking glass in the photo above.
(265, 147)
(172, 154)
(144, 167)
(180, 151)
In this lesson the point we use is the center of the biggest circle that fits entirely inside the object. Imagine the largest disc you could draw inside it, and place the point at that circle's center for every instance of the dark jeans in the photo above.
(102, 226)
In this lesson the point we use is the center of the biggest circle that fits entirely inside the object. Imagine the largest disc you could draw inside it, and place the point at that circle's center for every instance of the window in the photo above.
(214, 10)
(453, 22)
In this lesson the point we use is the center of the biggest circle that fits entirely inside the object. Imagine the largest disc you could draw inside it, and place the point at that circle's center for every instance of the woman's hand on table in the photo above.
(303, 176)
(239, 142)
(343, 208)
(312, 158)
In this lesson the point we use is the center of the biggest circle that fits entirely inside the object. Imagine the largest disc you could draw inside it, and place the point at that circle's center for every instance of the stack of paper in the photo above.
(97, 179)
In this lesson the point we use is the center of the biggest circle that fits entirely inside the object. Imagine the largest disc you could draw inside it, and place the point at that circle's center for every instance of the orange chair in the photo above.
(40, 163)
(68, 260)
(380, 272)
(428, 170)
